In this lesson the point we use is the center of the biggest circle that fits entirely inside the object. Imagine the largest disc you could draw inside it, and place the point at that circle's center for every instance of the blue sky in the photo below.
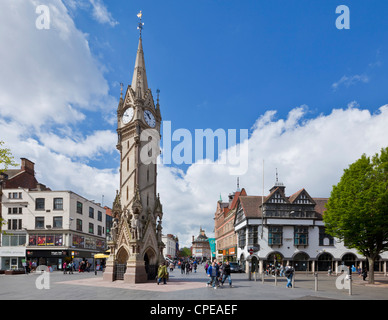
(314, 98)
(221, 64)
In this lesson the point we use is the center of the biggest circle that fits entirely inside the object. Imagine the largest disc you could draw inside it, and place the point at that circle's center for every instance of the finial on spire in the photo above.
(140, 24)
(238, 184)
(277, 179)
(157, 97)
(121, 90)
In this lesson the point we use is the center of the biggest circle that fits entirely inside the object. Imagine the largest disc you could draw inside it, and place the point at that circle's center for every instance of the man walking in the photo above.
(213, 273)
(289, 274)
(226, 274)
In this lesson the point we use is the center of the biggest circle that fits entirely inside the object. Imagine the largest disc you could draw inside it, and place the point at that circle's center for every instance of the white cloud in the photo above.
(348, 81)
(101, 13)
(100, 142)
(51, 72)
(309, 153)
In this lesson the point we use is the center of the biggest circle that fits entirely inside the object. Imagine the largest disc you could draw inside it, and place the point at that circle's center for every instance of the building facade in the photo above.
(47, 227)
(200, 247)
(225, 235)
(279, 229)
(171, 248)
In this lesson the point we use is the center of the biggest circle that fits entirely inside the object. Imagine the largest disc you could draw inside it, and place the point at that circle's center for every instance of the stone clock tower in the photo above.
(136, 244)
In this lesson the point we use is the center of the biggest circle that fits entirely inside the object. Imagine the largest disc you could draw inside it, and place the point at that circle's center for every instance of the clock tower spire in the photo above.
(136, 246)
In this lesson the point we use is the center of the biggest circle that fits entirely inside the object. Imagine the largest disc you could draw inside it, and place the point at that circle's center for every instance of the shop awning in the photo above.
(101, 256)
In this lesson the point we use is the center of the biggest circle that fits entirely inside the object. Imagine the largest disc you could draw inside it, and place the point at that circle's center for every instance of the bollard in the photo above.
(350, 285)
(262, 277)
(293, 281)
(316, 281)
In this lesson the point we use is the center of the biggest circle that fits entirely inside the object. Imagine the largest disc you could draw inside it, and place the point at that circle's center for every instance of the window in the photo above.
(15, 211)
(14, 240)
(39, 204)
(79, 225)
(99, 230)
(15, 195)
(57, 222)
(91, 212)
(252, 235)
(91, 228)
(58, 204)
(301, 236)
(242, 238)
(275, 236)
(14, 224)
(99, 216)
(79, 207)
(39, 222)
(324, 238)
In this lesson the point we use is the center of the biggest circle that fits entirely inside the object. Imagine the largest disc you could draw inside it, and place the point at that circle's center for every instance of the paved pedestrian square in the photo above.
(88, 286)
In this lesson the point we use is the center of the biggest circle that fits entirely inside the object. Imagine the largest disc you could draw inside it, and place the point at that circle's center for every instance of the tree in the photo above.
(357, 210)
(6, 160)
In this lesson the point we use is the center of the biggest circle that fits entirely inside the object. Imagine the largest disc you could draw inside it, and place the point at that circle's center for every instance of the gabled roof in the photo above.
(277, 190)
(237, 194)
(293, 198)
(320, 206)
(251, 206)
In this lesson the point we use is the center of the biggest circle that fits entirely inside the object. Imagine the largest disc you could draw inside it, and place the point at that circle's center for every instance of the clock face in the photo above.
(149, 118)
(127, 116)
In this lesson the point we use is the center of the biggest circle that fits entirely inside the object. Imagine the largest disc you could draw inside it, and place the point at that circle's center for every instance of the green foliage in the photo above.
(6, 158)
(357, 210)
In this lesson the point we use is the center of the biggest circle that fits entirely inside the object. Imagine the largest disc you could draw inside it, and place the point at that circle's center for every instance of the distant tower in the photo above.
(136, 247)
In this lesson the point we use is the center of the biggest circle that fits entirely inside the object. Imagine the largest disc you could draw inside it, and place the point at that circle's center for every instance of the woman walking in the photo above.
(162, 273)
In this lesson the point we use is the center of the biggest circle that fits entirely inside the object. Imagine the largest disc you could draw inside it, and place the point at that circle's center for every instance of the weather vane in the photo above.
(141, 24)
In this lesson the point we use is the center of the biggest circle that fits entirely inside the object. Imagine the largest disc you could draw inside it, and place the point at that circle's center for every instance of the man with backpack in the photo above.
(289, 274)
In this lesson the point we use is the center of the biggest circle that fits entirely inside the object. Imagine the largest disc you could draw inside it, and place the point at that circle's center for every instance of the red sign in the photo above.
(251, 251)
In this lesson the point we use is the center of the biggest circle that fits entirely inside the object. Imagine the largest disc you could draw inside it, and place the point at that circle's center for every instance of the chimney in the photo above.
(28, 166)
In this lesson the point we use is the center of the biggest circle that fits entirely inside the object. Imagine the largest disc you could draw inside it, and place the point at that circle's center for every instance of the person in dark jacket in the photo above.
(226, 274)
(213, 273)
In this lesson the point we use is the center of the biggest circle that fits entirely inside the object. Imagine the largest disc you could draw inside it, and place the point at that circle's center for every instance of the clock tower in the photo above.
(136, 244)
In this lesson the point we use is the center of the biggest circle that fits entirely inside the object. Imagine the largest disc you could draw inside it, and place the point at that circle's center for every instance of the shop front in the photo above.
(12, 258)
(50, 258)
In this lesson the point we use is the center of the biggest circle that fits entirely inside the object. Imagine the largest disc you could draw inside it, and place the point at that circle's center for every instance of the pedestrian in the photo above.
(187, 268)
(64, 268)
(289, 274)
(207, 266)
(195, 267)
(329, 272)
(220, 271)
(226, 270)
(364, 274)
(70, 267)
(183, 267)
(212, 272)
(171, 267)
(162, 273)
